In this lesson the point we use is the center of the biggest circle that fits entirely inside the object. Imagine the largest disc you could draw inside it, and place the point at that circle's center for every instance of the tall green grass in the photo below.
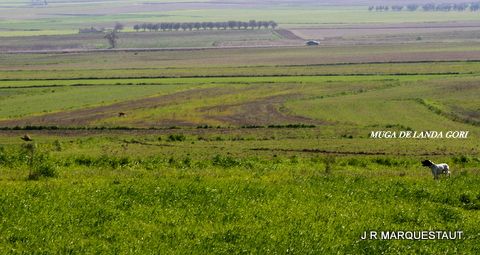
(104, 204)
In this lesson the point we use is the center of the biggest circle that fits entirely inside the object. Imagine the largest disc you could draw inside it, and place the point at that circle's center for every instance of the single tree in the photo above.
(265, 24)
(163, 26)
(150, 27)
(118, 26)
(428, 7)
(412, 7)
(245, 25)
(239, 25)
(136, 27)
(397, 8)
(210, 25)
(273, 24)
(252, 23)
(224, 25)
(474, 7)
(232, 24)
(176, 26)
(112, 38)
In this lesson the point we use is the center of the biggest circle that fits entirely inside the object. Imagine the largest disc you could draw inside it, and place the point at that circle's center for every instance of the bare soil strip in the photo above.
(84, 117)
(287, 34)
(264, 111)
(354, 152)
(140, 49)
(260, 112)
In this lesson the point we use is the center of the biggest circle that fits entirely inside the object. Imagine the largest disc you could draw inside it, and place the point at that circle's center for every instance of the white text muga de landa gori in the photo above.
(381, 134)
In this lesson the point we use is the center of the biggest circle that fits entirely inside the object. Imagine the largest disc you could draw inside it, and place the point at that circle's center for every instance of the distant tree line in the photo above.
(38, 3)
(428, 7)
(176, 26)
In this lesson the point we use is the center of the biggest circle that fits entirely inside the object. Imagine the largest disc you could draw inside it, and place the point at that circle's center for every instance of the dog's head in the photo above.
(427, 163)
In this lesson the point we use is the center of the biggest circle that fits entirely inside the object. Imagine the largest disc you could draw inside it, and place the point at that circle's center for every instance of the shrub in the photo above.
(4, 158)
(176, 138)
(462, 160)
(187, 162)
(225, 162)
(468, 202)
(45, 169)
(329, 163)
(388, 162)
(357, 162)
(42, 166)
(83, 160)
(464, 198)
(294, 159)
(58, 145)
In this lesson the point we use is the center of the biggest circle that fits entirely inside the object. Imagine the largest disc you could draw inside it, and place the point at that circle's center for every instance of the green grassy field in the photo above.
(141, 193)
(242, 150)
(309, 90)
(243, 181)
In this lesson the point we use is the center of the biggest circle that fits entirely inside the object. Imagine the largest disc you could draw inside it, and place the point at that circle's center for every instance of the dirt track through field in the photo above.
(260, 112)
(83, 117)
(263, 111)
(372, 153)
(287, 34)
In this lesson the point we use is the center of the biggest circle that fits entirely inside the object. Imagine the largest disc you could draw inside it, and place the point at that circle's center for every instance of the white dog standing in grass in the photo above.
(437, 169)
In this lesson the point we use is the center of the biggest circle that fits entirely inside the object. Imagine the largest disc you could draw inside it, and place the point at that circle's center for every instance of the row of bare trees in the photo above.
(176, 26)
(111, 35)
(429, 7)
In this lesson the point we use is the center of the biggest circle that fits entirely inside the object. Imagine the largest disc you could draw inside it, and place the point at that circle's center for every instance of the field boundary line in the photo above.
(351, 152)
(451, 116)
(245, 76)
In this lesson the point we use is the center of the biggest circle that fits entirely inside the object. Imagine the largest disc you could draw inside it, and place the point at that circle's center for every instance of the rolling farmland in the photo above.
(194, 140)
(190, 147)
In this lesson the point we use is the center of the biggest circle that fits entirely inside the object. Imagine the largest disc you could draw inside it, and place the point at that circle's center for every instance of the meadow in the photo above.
(257, 150)
(210, 159)
(140, 193)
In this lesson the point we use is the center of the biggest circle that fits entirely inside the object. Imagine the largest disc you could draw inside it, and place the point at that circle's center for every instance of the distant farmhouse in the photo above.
(312, 43)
